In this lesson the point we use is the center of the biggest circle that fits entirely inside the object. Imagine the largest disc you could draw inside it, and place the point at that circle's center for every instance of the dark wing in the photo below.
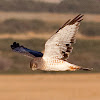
(27, 52)
(59, 45)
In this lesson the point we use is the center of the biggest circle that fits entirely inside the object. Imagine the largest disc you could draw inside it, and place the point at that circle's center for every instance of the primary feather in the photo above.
(59, 45)
(27, 52)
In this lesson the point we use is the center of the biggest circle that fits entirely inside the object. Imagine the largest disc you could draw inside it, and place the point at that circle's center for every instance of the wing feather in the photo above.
(25, 51)
(59, 45)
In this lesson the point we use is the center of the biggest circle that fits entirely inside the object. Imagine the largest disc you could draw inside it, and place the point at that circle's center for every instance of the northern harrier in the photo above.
(57, 49)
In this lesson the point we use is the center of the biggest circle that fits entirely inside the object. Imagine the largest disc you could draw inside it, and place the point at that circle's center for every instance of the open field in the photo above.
(49, 17)
(50, 87)
(47, 23)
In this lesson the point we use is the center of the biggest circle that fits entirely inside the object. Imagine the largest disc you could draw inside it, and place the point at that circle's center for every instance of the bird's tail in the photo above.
(86, 69)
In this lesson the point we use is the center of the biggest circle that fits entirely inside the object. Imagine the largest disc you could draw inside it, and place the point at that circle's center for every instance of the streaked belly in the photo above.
(55, 65)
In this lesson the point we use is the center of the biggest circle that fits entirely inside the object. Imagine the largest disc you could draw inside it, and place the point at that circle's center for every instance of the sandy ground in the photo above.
(50, 87)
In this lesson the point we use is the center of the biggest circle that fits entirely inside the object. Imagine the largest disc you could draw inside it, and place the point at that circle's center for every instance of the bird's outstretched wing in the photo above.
(59, 45)
(27, 52)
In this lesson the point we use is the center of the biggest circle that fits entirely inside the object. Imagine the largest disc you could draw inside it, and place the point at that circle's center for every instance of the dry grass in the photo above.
(26, 36)
(49, 17)
(50, 87)
(50, 1)
(31, 35)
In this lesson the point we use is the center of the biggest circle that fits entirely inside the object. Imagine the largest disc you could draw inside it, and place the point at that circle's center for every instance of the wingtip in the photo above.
(80, 15)
(78, 18)
(14, 45)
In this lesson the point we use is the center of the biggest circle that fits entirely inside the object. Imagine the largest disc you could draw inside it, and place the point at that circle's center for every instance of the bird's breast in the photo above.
(54, 65)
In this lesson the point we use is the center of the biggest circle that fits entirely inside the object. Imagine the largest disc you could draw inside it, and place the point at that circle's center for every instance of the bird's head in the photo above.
(33, 65)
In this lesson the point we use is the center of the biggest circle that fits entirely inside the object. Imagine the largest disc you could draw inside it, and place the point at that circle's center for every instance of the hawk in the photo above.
(57, 49)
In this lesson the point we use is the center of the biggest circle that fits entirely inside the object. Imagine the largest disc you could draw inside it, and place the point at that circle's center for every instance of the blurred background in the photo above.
(31, 23)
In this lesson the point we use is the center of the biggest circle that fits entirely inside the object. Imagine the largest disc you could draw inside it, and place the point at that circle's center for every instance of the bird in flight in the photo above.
(57, 49)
